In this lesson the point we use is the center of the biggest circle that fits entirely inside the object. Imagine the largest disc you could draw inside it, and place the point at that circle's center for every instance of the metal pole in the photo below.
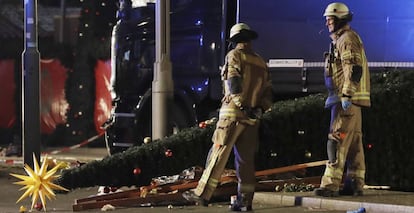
(30, 85)
(238, 11)
(162, 84)
(62, 21)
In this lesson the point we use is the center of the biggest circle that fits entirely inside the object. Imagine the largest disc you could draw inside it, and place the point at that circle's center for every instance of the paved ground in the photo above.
(9, 194)
(373, 200)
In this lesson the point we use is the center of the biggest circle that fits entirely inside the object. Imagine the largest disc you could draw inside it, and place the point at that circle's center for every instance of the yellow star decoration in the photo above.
(39, 183)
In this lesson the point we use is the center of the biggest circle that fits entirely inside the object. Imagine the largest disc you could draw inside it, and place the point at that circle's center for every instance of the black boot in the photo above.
(192, 197)
(243, 203)
(324, 192)
(351, 188)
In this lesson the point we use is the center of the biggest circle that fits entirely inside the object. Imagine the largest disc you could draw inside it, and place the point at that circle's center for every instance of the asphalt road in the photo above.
(378, 201)
(10, 193)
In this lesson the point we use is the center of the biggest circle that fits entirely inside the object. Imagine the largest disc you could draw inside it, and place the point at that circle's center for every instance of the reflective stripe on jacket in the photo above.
(349, 52)
(242, 62)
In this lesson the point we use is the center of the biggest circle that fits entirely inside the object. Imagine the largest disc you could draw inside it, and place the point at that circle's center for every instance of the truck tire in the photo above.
(120, 135)
(110, 138)
(141, 128)
(179, 120)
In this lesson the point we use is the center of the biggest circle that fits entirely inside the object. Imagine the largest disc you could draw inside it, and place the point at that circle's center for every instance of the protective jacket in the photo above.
(349, 68)
(247, 92)
(246, 82)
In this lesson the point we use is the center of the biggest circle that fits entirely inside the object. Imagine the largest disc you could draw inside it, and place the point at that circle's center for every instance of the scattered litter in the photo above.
(107, 190)
(187, 174)
(146, 205)
(107, 207)
(22, 209)
(168, 190)
(360, 210)
(377, 187)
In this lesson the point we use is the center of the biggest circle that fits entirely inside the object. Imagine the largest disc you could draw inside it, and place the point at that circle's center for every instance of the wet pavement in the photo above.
(374, 200)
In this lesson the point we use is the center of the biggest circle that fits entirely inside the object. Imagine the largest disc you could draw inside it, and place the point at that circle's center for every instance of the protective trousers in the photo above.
(243, 141)
(346, 130)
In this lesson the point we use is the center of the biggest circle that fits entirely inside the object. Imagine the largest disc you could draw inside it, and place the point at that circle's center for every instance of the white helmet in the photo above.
(241, 32)
(339, 10)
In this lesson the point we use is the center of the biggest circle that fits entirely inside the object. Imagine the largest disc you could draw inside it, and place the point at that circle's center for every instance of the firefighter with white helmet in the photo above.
(347, 79)
(241, 32)
(339, 10)
(247, 93)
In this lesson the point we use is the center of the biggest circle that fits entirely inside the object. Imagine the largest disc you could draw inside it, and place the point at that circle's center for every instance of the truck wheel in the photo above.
(112, 137)
(109, 138)
(135, 133)
(179, 120)
(120, 135)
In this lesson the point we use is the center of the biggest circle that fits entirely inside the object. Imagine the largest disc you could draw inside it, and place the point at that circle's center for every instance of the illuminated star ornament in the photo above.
(39, 183)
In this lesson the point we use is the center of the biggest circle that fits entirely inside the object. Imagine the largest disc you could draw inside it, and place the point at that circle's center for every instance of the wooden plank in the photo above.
(179, 187)
(110, 196)
(290, 168)
(137, 192)
(130, 201)
(136, 197)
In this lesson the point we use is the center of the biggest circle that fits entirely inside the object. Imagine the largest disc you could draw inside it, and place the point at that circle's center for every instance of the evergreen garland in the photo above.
(294, 131)
(93, 44)
(166, 157)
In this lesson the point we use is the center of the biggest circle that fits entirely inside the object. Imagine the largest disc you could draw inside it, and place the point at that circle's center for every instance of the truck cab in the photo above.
(292, 38)
(198, 47)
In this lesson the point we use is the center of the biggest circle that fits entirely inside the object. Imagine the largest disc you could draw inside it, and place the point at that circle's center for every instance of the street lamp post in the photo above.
(30, 85)
(162, 84)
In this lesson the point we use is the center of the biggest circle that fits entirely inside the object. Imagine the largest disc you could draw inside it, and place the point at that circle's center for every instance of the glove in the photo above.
(346, 103)
(332, 100)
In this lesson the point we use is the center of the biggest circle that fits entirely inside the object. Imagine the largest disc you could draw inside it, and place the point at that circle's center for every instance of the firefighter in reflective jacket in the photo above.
(347, 79)
(247, 93)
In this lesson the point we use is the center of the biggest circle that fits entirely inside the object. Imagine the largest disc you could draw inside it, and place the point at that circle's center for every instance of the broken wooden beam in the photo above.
(109, 196)
(173, 192)
(130, 201)
(290, 168)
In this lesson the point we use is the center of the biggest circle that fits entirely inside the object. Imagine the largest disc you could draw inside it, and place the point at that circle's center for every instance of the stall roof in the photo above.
(12, 20)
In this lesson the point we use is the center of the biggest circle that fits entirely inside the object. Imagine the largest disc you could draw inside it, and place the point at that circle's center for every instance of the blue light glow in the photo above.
(198, 23)
(201, 40)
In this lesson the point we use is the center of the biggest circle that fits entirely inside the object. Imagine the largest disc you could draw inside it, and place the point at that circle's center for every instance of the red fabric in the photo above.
(53, 101)
(54, 105)
(103, 98)
(7, 92)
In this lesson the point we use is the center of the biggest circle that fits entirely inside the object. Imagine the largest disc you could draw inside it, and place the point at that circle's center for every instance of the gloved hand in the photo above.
(332, 100)
(346, 103)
